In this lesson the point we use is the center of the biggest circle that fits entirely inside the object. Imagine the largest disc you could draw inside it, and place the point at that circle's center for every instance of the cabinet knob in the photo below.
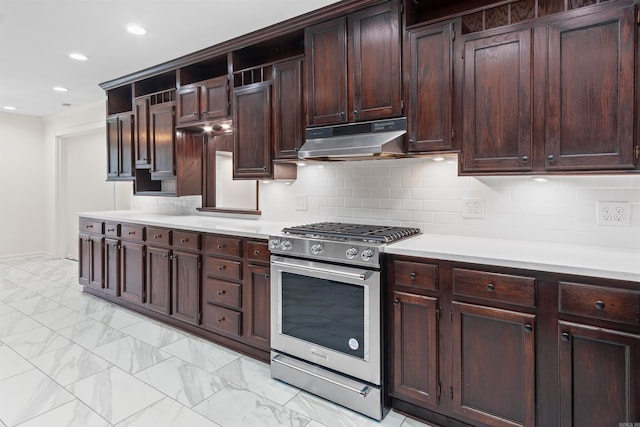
(528, 328)
(491, 287)
(221, 319)
(256, 252)
(204, 112)
(220, 267)
(184, 240)
(341, 113)
(264, 168)
(396, 301)
(220, 246)
(412, 276)
(157, 236)
(565, 337)
(599, 305)
(165, 256)
(222, 292)
(266, 276)
(412, 141)
(525, 159)
(131, 233)
(551, 157)
(194, 114)
(355, 112)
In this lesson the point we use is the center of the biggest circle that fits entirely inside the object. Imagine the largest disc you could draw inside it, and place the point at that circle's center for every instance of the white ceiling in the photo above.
(36, 37)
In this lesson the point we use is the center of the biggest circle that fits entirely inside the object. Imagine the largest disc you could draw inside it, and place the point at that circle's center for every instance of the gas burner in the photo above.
(355, 232)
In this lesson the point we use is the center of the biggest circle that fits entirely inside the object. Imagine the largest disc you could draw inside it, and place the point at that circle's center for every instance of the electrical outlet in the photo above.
(473, 208)
(614, 213)
(302, 203)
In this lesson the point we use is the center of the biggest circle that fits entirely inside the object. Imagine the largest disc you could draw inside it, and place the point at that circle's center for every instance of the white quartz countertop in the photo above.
(255, 228)
(550, 257)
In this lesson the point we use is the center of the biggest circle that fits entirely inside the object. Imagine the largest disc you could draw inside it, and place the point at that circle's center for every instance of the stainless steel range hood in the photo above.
(366, 140)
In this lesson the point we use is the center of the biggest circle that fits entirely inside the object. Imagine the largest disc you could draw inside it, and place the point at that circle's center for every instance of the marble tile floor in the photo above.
(68, 359)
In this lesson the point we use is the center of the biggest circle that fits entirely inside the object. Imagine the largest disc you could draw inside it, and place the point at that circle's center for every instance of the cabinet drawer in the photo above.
(415, 275)
(507, 288)
(89, 226)
(258, 251)
(224, 246)
(112, 229)
(221, 319)
(223, 268)
(158, 236)
(223, 293)
(597, 302)
(133, 233)
(186, 240)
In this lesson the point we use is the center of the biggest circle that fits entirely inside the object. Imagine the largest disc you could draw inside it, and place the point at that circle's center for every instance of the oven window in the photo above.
(324, 312)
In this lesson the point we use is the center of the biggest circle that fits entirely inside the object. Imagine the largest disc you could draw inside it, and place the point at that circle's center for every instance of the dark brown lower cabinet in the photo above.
(257, 295)
(599, 376)
(90, 262)
(415, 355)
(185, 286)
(132, 263)
(112, 266)
(493, 365)
(158, 279)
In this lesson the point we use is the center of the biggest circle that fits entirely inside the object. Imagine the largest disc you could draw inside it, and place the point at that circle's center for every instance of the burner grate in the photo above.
(359, 232)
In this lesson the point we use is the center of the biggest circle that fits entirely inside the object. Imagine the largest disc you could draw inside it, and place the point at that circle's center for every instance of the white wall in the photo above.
(22, 189)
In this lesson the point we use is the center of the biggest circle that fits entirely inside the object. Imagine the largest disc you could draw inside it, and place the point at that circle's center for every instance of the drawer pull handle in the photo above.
(221, 319)
(110, 230)
(220, 246)
(565, 337)
(528, 328)
(90, 226)
(220, 267)
(412, 276)
(256, 252)
(157, 236)
(221, 292)
(599, 305)
(132, 232)
(491, 287)
(184, 240)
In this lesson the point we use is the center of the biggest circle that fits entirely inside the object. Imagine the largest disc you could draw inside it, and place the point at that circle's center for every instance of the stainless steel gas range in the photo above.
(326, 311)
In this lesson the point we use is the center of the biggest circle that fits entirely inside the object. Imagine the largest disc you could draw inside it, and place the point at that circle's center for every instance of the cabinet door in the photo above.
(185, 292)
(84, 259)
(591, 100)
(497, 102)
(214, 98)
(158, 279)
(599, 376)
(188, 104)
(326, 72)
(132, 272)
(113, 148)
(112, 266)
(142, 151)
(252, 138)
(125, 124)
(288, 109)
(415, 349)
(430, 88)
(257, 295)
(162, 131)
(96, 276)
(493, 365)
(374, 78)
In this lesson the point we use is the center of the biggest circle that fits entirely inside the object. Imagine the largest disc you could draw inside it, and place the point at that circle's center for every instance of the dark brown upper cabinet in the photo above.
(590, 91)
(163, 140)
(353, 71)
(428, 71)
(142, 148)
(252, 137)
(288, 109)
(497, 101)
(120, 147)
(203, 101)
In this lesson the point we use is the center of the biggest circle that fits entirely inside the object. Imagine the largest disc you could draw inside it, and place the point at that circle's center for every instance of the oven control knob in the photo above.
(274, 244)
(367, 254)
(351, 253)
(316, 249)
(285, 245)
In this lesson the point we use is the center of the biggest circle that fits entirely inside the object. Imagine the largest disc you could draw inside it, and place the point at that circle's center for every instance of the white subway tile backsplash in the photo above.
(426, 194)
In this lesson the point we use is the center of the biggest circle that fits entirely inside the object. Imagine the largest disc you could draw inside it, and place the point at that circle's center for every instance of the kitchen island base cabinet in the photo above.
(90, 263)
(132, 263)
(185, 290)
(257, 295)
(158, 279)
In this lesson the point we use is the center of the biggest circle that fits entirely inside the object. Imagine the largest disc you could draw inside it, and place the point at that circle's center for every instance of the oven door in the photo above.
(328, 315)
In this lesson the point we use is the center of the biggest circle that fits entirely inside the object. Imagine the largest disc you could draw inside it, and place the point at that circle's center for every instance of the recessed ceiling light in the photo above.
(9, 107)
(136, 29)
(60, 89)
(78, 56)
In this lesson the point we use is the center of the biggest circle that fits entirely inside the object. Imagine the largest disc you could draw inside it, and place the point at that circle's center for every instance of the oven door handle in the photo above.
(359, 275)
(364, 391)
